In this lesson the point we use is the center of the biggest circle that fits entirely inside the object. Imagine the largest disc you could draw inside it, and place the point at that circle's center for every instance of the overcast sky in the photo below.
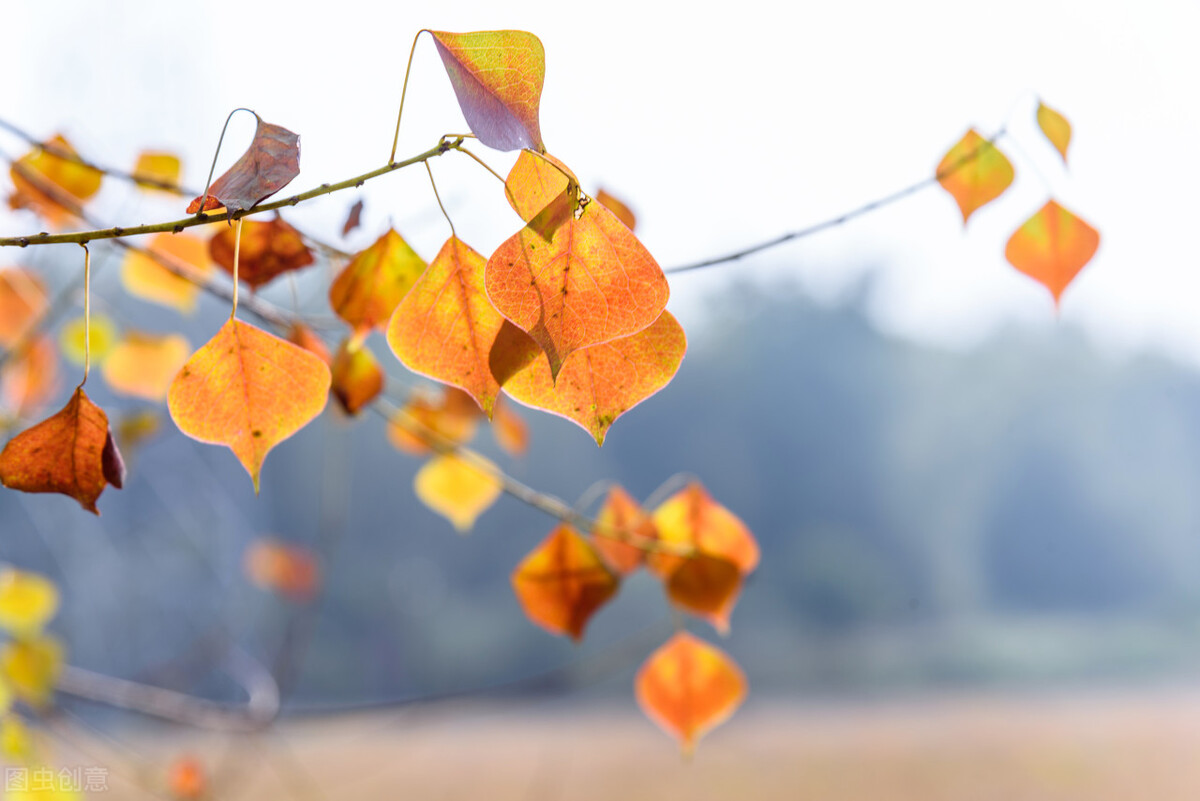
(720, 127)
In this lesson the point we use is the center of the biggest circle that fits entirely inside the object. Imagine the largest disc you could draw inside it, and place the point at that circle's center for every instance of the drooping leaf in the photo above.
(268, 165)
(29, 379)
(600, 383)
(575, 279)
(31, 666)
(157, 169)
(290, 570)
(451, 420)
(1052, 247)
(707, 586)
(27, 601)
(300, 334)
(357, 378)
(1055, 127)
(368, 290)
(145, 274)
(509, 429)
(74, 181)
(562, 583)
(353, 218)
(975, 173)
(267, 250)
(621, 526)
(143, 365)
(457, 489)
(101, 335)
(445, 326)
(497, 77)
(247, 390)
(72, 453)
(617, 207)
(534, 181)
(22, 300)
(688, 687)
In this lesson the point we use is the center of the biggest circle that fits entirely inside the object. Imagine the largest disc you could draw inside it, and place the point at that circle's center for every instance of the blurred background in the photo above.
(978, 517)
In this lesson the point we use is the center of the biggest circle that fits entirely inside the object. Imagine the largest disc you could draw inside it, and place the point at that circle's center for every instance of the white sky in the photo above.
(721, 127)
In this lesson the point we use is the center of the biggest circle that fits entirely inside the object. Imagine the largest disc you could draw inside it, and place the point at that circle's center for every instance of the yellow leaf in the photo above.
(974, 172)
(145, 276)
(158, 168)
(1055, 127)
(27, 601)
(102, 335)
(143, 365)
(32, 667)
(14, 737)
(456, 489)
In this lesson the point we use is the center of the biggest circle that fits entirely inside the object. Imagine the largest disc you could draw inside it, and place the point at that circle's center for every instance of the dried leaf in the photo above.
(145, 275)
(1052, 247)
(1055, 127)
(357, 379)
(688, 687)
(22, 301)
(29, 379)
(292, 571)
(497, 77)
(267, 250)
(72, 453)
(31, 667)
(353, 218)
(248, 390)
(574, 282)
(101, 334)
(368, 290)
(268, 165)
(562, 583)
(451, 419)
(621, 526)
(534, 181)
(457, 489)
(445, 326)
(156, 169)
(27, 601)
(597, 384)
(73, 180)
(623, 212)
(143, 365)
(975, 173)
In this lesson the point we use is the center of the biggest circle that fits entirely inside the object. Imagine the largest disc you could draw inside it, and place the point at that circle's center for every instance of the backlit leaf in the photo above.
(357, 379)
(534, 181)
(688, 687)
(599, 384)
(562, 583)
(145, 275)
(72, 453)
(156, 169)
(267, 250)
(29, 379)
(74, 181)
(27, 601)
(292, 571)
(143, 365)
(1055, 127)
(268, 165)
(445, 327)
(300, 334)
(621, 526)
(22, 300)
(497, 77)
(707, 586)
(101, 333)
(457, 489)
(248, 390)
(451, 419)
(509, 429)
(32, 666)
(370, 287)
(617, 207)
(571, 283)
(1052, 247)
(975, 173)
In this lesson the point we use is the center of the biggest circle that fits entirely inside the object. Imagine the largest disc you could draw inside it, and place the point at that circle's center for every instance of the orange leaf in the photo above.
(575, 279)
(72, 453)
(357, 379)
(145, 275)
(300, 334)
(292, 571)
(707, 586)
(143, 365)
(534, 181)
(1055, 127)
(497, 77)
(974, 172)
(268, 165)
(248, 390)
(445, 327)
(621, 526)
(509, 429)
(22, 300)
(74, 180)
(457, 489)
(29, 379)
(452, 419)
(267, 249)
(562, 582)
(368, 290)
(599, 384)
(186, 778)
(688, 687)
(1052, 247)
(156, 169)
(623, 212)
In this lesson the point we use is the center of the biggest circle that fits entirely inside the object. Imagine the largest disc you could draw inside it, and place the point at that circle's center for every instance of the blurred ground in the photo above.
(1127, 744)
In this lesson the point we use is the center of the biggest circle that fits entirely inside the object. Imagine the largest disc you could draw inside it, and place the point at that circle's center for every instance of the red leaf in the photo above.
(268, 165)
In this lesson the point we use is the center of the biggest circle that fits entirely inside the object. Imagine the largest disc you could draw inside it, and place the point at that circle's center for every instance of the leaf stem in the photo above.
(237, 250)
(438, 198)
(217, 152)
(403, 92)
(87, 312)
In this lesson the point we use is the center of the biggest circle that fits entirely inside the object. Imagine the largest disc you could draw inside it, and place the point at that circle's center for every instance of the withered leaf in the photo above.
(268, 165)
